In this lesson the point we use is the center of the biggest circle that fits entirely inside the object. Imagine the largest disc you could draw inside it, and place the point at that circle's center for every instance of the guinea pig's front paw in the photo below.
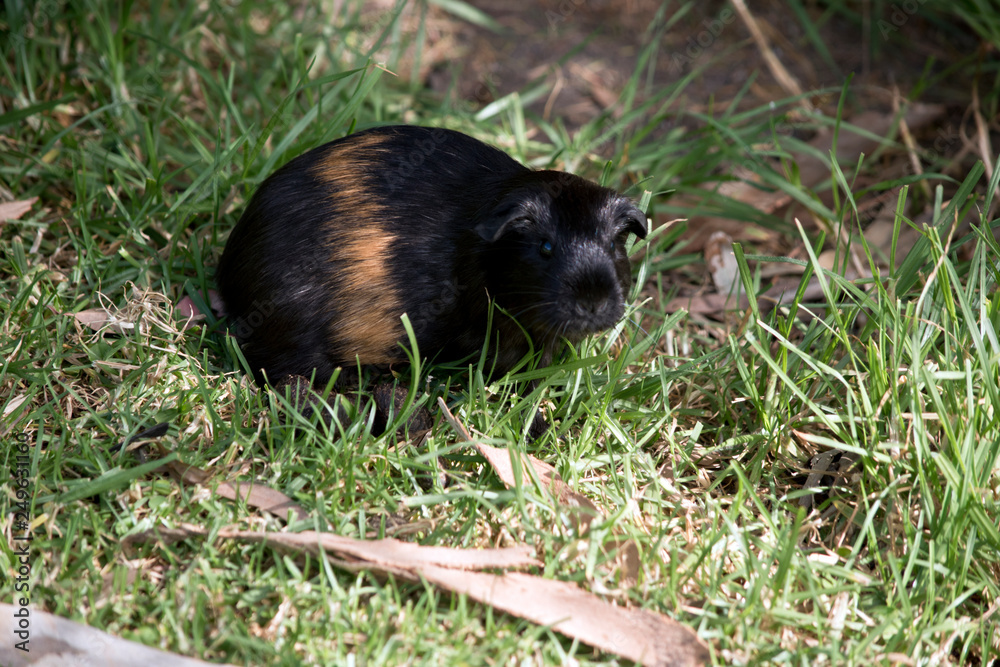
(304, 399)
(389, 401)
(539, 425)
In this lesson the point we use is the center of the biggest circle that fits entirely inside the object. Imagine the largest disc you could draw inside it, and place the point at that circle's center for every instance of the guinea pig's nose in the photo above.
(594, 293)
(591, 303)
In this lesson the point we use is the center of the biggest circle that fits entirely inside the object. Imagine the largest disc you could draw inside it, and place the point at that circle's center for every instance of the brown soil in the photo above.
(605, 38)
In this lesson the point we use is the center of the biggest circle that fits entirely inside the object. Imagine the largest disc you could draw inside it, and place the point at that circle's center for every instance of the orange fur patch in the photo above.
(368, 303)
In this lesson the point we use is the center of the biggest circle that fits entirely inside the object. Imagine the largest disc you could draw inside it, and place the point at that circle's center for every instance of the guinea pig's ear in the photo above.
(501, 222)
(635, 221)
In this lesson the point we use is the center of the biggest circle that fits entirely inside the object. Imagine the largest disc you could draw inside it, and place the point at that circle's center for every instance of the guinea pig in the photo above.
(336, 245)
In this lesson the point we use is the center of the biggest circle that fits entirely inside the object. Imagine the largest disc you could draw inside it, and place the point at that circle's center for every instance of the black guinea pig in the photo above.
(339, 243)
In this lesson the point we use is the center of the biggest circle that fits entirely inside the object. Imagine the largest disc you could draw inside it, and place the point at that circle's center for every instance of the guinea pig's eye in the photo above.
(545, 249)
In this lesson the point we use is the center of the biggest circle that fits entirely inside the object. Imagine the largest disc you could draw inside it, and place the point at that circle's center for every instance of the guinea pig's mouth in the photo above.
(584, 318)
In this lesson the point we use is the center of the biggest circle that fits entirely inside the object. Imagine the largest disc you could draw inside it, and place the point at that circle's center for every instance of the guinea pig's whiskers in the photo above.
(532, 307)
(637, 322)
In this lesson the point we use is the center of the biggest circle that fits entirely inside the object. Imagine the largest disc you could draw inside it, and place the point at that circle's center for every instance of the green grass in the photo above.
(142, 131)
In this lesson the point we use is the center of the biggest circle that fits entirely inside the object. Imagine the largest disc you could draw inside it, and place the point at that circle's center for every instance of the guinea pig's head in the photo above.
(555, 254)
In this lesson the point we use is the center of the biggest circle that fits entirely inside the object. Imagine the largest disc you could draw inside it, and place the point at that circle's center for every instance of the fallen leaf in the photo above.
(99, 319)
(60, 641)
(625, 553)
(14, 404)
(386, 555)
(189, 312)
(636, 634)
(392, 554)
(582, 510)
(95, 318)
(115, 365)
(13, 210)
(257, 496)
(707, 303)
(879, 233)
(722, 264)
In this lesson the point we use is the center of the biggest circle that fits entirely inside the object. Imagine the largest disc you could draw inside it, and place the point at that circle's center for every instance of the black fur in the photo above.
(468, 223)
